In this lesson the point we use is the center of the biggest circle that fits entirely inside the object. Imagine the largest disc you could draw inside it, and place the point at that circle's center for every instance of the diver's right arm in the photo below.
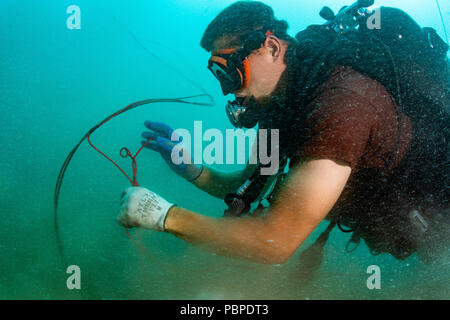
(212, 181)
(219, 184)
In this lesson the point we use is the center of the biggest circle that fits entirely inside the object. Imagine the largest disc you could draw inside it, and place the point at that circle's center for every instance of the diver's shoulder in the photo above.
(350, 81)
(347, 77)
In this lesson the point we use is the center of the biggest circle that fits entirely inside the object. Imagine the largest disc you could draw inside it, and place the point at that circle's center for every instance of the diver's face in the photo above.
(266, 67)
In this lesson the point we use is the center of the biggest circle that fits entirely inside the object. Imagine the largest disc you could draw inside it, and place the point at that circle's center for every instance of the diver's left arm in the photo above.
(312, 189)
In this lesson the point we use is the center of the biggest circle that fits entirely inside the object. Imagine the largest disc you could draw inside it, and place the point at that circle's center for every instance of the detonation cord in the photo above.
(124, 152)
(442, 19)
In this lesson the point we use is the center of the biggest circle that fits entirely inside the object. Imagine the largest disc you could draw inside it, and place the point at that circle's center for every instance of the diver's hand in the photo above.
(141, 207)
(163, 141)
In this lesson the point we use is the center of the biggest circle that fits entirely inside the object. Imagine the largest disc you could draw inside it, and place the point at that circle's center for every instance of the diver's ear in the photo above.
(274, 45)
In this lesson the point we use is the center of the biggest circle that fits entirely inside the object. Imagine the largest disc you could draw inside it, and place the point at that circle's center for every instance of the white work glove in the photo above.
(141, 207)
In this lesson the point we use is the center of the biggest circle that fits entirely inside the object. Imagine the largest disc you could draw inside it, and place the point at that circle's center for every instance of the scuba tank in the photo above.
(411, 63)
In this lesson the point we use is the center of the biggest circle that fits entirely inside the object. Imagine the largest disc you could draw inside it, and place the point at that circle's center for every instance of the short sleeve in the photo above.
(339, 127)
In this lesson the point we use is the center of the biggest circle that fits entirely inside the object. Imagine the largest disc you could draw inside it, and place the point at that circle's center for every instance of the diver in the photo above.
(355, 152)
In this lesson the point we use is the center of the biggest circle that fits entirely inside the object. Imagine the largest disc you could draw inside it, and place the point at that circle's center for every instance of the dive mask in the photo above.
(231, 66)
(232, 72)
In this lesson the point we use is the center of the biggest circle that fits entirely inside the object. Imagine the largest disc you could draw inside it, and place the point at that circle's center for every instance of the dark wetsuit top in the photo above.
(354, 119)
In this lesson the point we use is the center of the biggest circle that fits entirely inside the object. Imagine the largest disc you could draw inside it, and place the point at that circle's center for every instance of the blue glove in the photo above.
(161, 135)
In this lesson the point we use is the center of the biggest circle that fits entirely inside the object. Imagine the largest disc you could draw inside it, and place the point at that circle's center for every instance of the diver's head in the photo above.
(248, 46)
